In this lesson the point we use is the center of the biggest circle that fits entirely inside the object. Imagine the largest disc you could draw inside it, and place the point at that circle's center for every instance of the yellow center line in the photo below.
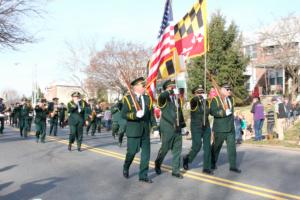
(195, 175)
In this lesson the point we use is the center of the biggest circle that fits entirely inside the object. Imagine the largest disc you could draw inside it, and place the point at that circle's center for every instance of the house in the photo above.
(63, 92)
(265, 72)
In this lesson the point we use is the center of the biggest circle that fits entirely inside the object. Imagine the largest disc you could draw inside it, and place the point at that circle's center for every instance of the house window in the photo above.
(250, 51)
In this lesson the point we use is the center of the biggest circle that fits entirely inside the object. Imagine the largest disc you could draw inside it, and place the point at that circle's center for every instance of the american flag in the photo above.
(163, 50)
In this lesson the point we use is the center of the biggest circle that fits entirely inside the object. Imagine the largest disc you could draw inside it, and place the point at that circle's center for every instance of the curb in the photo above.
(271, 147)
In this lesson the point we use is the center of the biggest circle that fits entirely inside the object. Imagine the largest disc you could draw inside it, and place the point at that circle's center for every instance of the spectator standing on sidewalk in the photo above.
(281, 118)
(258, 117)
(288, 109)
(270, 116)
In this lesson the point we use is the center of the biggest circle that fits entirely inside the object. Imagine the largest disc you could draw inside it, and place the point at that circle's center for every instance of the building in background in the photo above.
(263, 71)
(63, 92)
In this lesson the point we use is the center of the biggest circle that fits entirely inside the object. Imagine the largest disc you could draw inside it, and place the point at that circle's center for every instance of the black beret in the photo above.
(75, 94)
(226, 86)
(198, 89)
(168, 83)
(42, 100)
(136, 81)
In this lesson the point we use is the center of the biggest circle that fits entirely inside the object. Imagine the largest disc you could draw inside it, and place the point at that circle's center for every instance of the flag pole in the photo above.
(205, 62)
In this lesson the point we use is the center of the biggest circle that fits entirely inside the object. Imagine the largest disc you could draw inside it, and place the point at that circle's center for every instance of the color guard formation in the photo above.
(134, 117)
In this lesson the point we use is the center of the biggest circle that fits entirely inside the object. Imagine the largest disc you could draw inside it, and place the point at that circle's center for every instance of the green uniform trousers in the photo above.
(40, 131)
(23, 127)
(134, 144)
(99, 124)
(76, 132)
(231, 147)
(92, 125)
(198, 137)
(115, 129)
(1, 125)
(53, 126)
(173, 143)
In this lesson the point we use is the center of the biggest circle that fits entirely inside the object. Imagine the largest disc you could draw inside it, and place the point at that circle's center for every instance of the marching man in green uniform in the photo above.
(172, 126)
(116, 115)
(24, 117)
(222, 109)
(54, 109)
(77, 118)
(41, 112)
(91, 116)
(99, 115)
(200, 129)
(2, 116)
(62, 114)
(16, 115)
(138, 128)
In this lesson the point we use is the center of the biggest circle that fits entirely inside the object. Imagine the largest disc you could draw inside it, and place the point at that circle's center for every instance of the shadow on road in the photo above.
(4, 185)
(33, 189)
(7, 168)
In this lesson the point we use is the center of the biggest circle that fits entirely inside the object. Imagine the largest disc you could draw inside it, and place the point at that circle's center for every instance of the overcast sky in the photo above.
(131, 20)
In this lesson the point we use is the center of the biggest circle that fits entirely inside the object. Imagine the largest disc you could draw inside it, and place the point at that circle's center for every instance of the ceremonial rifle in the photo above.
(135, 103)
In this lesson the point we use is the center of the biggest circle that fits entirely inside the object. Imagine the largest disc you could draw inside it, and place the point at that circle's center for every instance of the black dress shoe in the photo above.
(186, 163)
(208, 171)
(236, 170)
(70, 147)
(157, 169)
(177, 176)
(146, 180)
(125, 174)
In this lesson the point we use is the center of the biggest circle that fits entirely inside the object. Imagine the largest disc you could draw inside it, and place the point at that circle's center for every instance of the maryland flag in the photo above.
(191, 32)
(172, 66)
(186, 39)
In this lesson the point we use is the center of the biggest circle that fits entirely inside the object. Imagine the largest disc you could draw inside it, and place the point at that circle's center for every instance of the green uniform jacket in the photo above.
(222, 123)
(135, 125)
(116, 112)
(88, 112)
(62, 113)
(75, 116)
(40, 114)
(197, 113)
(24, 112)
(168, 121)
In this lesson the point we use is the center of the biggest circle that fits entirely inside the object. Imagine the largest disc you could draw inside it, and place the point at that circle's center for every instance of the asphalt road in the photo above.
(49, 171)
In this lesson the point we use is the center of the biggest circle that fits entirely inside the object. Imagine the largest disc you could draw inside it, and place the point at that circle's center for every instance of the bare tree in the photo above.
(106, 66)
(282, 43)
(77, 61)
(10, 96)
(12, 14)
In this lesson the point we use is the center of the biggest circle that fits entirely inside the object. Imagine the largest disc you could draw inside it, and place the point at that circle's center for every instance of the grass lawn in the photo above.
(291, 138)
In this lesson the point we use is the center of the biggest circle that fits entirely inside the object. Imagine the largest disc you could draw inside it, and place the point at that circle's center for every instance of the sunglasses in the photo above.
(229, 90)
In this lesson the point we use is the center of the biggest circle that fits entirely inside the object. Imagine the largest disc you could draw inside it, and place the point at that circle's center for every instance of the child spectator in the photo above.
(238, 127)
(243, 126)
(270, 115)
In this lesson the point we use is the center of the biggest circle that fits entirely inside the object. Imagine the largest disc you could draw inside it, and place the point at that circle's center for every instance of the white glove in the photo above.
(184, 131)
(139, 114)
(176, 91)
(228, 112)
(204, 96)
(156, 134)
